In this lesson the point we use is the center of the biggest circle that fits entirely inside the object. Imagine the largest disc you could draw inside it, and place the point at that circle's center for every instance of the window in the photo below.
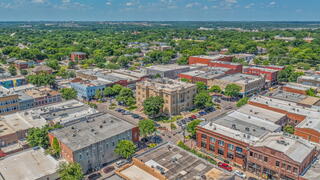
(203, 144)
(230, 155)
(230, 146)
(239, 149)
(265, 159)
(283, 165)
(211, 147)
(260, 157)
(295, 170)
(203, 136)
(212, 140)
(277, 163)
(289, 168)
(221, 143)
(251, 153)
(220, 151)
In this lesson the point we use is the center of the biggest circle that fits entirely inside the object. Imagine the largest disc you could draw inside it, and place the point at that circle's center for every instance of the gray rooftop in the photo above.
(167, 67)
(296, 149)
(313, 173)
(240, 78)
(28, 165)
(287, 96)
(95, 128)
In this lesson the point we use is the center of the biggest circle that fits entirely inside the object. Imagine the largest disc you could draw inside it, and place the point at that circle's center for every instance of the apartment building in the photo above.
(229, 136)
(249, 84)
(178, 96)
(9, 101)
(91, 142)
(279, 156)
(271, 75)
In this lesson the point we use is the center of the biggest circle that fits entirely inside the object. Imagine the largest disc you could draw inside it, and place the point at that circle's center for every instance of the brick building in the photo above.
(91, 142)
(309, 129)
(78, 56)
(270, 74)
(204, 76)
(207, 59)
(178, 96)
(229, 135)
(278, 156)
(249, 84)
(234, 67)
(312, 80)
(9, 101)
(166, 71)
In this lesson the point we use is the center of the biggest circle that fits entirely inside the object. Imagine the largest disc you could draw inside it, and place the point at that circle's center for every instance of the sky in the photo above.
(159, 10)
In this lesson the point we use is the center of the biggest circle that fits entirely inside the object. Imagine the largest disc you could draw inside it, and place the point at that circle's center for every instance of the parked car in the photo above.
(135, 116)
(225, 166)
(121, 162)
(209, 109)
(183, 121)
(240, 174)
(202, 119)
(252, 178)
(94, 176)
(108, 169)
(194, 117)
(202, 113)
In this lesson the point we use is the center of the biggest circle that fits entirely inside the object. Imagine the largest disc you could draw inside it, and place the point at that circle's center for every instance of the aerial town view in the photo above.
(159, 90)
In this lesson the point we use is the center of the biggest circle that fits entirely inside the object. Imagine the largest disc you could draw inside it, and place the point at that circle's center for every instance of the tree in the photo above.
(98, 95)
(146, 127)
(126, 96)
(125, 149)
(289, 129)
(215, 88)
(242, 101)
(70, 171)
(116, 88)
(41, 79)
(23, 72)
(108, 91)
(183, 60)
(68, 93)
(54, 64)
(203, 100)
(184, 80)
(39, 136)
(201, 86)
(191, 127)
(311, 92)
(153, 105)
(232, 90)
(12, 70)
(54, 150)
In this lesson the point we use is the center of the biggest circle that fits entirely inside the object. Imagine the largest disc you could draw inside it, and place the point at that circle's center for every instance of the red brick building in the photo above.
(277, 156)
(234, 67)
(78, 56)
(270, 74)
(208, 59)
(309, 129)
(204, 76)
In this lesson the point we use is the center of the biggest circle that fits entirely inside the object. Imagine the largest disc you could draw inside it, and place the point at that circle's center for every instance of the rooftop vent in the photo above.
(101, 126)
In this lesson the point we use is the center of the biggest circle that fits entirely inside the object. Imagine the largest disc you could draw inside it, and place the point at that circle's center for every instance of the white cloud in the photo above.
(249, 6)
(108, 3)
(129, 3)
(272, 3)
(39, 1)
(205, 7)
(66, 1)
(191, 5)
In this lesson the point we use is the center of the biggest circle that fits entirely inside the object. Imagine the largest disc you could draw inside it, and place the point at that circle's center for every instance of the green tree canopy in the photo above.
(311, 92)
(126, 96)
(54, 64)
(191, 126)
(242, 101)
(215, 88)
(41, 79)
(70, 171)
(108, 91)
(39, 136)
(153, 105)
(12, 70)
(203, 100)
(146, 127)
(125, 149)
(232, 90)
(201, 86)
(68, 93)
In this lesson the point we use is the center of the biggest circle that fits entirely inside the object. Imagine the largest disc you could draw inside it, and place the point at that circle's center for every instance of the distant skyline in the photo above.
(159, 10)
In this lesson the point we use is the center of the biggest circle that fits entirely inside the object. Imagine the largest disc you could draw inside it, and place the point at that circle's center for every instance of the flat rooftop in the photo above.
(313, 173)
(310, 123)
(13, 123)
(296, 149)
(136, 173)
(28, 165)
(241, 126)
(287, 96)
(11, 78)
(260, 68)
(62, 112)
(261, 113)
(41, 92)
(214, 57)
(240, 78)
(315, 77)
(95, 128)
(288, 106)
(176, 162)
(167, 67)
(167, 84)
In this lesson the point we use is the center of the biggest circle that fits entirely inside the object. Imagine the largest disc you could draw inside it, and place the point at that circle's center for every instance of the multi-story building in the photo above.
(208, 59)
(166, 71)
(298, 88)
(270, 74)
(86, 89)
(312, 80)
(42, 69)
(247, 57)
(279, 156)
(249, 84)
(9, 101)
(234, 67)
(13, 82)
(91, 142)
(43, 96)
(31, 164)
(309, 129)
(170, 162)
(295, 112)
(178, 96)
(21, 64)
(204, 76)
(229, 136)
(78, 56)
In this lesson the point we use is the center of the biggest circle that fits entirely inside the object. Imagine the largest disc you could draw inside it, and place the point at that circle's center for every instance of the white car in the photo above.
(240, 174)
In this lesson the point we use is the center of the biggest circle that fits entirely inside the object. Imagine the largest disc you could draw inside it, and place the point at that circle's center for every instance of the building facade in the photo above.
(78, 56)
(207, 59)
(178, 96)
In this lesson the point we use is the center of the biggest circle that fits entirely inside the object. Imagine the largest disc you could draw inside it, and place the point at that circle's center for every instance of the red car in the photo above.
(194, 117)
(225, 166)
